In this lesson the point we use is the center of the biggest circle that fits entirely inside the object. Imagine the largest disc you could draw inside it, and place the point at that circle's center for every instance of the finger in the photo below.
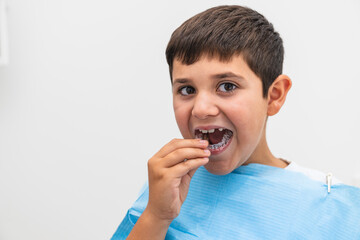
(179, 155)
(181, 143)
(184, 168)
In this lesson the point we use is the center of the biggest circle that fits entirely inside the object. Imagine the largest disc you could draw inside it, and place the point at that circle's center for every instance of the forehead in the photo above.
(210, 67)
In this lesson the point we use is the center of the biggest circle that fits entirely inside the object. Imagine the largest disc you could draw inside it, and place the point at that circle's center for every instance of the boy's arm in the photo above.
(169, 181)
(149, 227)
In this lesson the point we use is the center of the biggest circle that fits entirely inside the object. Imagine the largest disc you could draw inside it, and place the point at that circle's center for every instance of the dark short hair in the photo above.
(225, 31)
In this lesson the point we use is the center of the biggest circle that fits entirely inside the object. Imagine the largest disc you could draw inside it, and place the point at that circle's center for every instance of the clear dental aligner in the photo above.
(204, 134)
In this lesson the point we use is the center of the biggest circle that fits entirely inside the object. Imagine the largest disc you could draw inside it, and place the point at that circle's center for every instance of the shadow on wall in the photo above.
(3, 33)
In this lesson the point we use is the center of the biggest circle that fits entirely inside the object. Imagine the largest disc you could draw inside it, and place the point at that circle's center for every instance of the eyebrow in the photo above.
(181, 81)
(228, 75)
(215, 77)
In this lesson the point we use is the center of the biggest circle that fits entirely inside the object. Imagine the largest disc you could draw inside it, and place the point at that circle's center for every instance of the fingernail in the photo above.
(207, 152)
(203, 142)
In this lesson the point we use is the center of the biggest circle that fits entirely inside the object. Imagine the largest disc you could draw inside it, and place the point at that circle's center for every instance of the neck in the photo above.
(263, 155)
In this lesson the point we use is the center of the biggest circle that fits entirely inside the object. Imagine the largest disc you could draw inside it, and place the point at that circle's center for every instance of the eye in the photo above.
(187, 90)
(227, 87)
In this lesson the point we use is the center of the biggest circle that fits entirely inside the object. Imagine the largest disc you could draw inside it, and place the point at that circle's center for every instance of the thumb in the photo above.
(192, 172)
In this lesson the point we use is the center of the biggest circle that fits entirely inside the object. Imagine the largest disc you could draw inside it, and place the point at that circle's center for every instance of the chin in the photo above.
(219, 167)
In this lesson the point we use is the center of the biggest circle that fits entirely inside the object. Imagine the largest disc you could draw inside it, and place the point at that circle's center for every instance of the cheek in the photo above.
(182, 115)
(248, 117)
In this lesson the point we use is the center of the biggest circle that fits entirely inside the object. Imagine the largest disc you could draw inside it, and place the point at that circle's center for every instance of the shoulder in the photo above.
(311, 173)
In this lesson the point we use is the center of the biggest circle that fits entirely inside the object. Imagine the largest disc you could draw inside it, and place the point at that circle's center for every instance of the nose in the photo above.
(204, 106)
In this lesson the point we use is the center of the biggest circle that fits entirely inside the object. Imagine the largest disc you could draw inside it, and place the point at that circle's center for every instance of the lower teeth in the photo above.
(223, 142)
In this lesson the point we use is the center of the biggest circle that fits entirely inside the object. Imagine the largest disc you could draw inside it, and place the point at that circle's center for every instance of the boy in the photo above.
(226, 72)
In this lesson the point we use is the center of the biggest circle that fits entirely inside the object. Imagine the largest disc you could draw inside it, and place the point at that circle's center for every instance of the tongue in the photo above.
(216, 136)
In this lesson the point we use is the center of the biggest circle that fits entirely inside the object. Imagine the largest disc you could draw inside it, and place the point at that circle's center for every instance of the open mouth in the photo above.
(219, 138)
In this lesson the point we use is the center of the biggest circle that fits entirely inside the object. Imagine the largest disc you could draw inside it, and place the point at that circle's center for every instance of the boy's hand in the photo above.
(170, 175)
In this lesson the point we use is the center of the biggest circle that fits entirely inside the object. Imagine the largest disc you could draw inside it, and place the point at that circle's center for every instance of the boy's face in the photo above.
(225, 96)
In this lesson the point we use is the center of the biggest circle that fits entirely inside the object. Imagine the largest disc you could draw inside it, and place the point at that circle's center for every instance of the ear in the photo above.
(277, 94)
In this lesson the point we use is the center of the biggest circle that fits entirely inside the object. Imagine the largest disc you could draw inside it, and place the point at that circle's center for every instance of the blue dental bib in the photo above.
(259, 202)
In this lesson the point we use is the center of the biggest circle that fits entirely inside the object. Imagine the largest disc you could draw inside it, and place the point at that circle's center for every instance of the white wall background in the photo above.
(85, 101)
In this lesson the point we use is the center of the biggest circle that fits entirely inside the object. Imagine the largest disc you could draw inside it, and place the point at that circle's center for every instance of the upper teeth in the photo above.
(210, 130)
